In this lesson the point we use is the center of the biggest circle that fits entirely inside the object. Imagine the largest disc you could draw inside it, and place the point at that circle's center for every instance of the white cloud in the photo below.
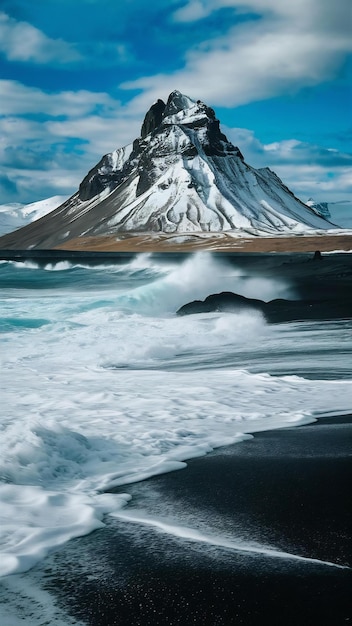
(306, 169)
(104, 134)
(51, 156)
(319, 12)
(292, 45)
(20, 41)
(192, 12)
(316, 181)
(18, 99)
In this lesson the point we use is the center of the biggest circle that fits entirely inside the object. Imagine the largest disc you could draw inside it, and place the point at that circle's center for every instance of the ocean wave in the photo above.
(103, 385)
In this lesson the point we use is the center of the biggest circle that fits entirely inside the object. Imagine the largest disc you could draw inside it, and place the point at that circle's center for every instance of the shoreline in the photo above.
(240, 534)
(188, 243)
(286, 489)
(212, 242)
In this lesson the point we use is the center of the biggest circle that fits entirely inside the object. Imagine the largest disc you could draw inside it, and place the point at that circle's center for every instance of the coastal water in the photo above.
(102, 385)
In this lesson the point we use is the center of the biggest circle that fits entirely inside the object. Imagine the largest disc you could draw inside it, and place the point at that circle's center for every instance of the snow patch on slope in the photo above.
(16, 215)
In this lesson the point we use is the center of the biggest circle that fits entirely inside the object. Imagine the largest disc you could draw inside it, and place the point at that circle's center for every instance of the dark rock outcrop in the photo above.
(224, 301)
(153, 118)
(275, 311)
(102, 177)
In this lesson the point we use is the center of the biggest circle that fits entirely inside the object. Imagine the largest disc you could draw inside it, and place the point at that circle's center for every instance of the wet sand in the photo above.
(287, 489)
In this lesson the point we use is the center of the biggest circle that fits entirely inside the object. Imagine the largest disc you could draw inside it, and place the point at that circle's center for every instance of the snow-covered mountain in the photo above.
(340, 212)
(181, 175)
(16, 215)
(320, 208)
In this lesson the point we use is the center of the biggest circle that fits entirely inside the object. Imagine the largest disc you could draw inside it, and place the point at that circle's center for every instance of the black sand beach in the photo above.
(286, 489)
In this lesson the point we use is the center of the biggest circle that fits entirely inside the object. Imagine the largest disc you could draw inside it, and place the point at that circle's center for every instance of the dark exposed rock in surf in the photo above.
(278, 310)
(224, 301)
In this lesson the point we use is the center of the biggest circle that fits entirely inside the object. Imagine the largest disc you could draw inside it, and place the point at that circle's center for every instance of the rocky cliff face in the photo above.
(181, 175)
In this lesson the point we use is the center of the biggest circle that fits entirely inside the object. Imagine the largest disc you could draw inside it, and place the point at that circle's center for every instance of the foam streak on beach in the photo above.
(104, 386)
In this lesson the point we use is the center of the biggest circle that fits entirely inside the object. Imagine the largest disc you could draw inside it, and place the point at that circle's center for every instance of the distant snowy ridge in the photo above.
(340, 211)
(321, 208)
(15, 215)
(182, 175)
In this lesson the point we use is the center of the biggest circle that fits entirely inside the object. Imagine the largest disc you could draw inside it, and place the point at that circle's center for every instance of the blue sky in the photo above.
(77, 78)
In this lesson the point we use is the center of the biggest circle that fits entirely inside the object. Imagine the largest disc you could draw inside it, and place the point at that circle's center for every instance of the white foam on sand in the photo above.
(24, 602)
(238, 545)
(84, 431)
(45, 519)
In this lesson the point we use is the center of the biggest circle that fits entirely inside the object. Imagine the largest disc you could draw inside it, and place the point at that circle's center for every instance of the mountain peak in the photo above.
(195, 121)
(179, 109)
(176, 102)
